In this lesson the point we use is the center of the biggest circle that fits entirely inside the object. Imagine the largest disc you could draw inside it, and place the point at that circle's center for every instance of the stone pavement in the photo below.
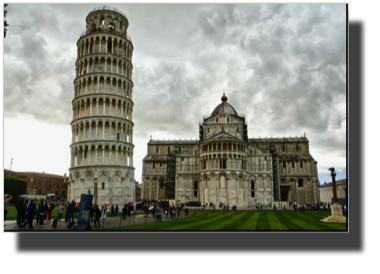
(104, 223)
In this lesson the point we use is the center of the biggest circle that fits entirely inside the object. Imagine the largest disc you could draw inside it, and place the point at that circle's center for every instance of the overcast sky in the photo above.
(282, 66)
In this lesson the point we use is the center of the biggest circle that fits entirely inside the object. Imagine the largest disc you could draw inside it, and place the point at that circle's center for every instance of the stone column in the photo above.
(91, 107)
(110, 182)
(305, 186)
(103, 155)
(103, 129)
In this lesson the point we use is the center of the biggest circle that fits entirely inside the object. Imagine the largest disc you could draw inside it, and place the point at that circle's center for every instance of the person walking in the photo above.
(49, 211)
(104, 212)
(71, 209)
(116, 210)
(166, 212)
(76, 211)
(7, 199)
(40, 214)
(30, 214)
(60, 211)
(92, 210)
(284, 208)
(112, 211)
(97, 217)
(187, 211)
(20, 211)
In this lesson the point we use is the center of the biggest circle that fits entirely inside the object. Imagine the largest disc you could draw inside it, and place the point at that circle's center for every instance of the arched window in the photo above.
(102, 186)
(156, 149)
(252, 185)
(208, 130)
(162, 184)
(283, 147)
(301, 165)
(168, 149)
(195, 185)
(284, 164)
(300, 183)
(216, 119)
(297, 147)
(292, 164)
(39, 191)
(228, 120)
(222, 128)
(237, 129)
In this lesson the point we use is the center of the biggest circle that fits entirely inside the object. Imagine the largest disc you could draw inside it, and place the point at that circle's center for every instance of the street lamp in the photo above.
(333, 175)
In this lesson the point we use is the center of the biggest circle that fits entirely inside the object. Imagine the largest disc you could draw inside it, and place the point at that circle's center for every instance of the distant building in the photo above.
(41, 183)
(326, 194)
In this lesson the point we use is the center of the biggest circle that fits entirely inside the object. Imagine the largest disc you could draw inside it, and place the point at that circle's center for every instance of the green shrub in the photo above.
(15, 187)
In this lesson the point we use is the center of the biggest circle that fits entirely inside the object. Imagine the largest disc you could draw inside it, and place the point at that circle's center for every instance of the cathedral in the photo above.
(225, 166)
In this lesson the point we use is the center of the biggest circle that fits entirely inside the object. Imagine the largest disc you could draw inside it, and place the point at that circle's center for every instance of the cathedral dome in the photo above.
(224, 107)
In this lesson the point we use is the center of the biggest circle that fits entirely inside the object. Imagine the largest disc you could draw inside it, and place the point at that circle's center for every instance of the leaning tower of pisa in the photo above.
(102, 125)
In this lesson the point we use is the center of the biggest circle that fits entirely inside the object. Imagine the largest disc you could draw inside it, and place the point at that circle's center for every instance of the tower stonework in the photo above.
(102, 125)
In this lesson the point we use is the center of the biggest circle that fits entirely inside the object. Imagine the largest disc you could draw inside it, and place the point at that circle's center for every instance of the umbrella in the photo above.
(106, 205)
(25, 196)
(274, 204)
(312, 205)
(130, 203)
(77, 203)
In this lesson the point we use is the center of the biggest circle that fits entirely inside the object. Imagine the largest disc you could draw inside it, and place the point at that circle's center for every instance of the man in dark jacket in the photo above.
(92, 210)
(30, 214)
(112, 211)
(21, 213)
(71, 210)
(97, 216)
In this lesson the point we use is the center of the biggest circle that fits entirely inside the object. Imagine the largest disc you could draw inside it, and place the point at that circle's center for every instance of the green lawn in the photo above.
(246, 220)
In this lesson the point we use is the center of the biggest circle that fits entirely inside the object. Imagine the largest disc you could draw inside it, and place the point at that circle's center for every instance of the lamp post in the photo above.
(333, 175)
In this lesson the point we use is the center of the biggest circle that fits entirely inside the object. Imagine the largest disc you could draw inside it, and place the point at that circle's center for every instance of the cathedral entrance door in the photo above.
(285, 193)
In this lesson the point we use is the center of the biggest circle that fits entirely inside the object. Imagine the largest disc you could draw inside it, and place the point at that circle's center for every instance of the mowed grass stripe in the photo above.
(274, 222)
(215, 218)
(251, 222)
(284, 218)
(262, 223)
(235, 223)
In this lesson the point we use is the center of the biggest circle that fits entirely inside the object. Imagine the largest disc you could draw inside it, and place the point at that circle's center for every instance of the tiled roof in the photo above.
(289, 157)
(173, 142)
(155, 158)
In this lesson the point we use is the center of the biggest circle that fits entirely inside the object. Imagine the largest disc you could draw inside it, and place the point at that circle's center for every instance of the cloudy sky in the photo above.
(282, 66)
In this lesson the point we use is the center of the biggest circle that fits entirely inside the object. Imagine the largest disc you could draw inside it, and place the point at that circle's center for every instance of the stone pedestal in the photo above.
(337, 215)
